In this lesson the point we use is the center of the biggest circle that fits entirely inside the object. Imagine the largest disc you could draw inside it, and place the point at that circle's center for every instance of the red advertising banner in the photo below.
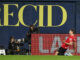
(47, 44)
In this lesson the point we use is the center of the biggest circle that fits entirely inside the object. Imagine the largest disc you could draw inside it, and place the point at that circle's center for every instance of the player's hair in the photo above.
(73, 31)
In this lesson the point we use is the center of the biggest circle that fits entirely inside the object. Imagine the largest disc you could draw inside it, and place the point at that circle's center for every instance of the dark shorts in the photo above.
(61, 51)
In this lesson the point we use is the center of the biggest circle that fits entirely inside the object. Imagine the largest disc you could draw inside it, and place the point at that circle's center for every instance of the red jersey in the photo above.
(69, 39)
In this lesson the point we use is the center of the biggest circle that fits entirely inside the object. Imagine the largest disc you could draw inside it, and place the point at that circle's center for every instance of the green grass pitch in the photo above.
(45, 57)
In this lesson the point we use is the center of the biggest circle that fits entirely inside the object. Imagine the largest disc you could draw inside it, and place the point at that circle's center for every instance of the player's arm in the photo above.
(74, 46)
(68, 43)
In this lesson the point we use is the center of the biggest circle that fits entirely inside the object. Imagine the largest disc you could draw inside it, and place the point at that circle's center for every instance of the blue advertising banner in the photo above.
(51, 17)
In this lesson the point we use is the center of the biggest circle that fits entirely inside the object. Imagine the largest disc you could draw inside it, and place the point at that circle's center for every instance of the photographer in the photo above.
(12, 46)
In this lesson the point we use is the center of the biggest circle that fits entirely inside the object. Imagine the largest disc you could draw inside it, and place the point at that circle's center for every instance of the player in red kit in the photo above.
(70, 41)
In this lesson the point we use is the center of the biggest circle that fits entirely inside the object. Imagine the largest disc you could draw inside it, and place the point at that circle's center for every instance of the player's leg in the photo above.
(61, 51)
(56, 53)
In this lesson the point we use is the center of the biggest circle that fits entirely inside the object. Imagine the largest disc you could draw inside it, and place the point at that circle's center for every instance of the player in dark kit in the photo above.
(70, 41)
